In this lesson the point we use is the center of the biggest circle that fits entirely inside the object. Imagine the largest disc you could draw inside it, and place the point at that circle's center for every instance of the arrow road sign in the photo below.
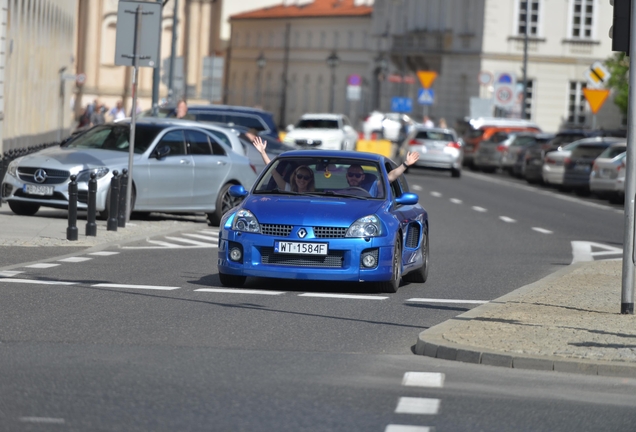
(426, 97)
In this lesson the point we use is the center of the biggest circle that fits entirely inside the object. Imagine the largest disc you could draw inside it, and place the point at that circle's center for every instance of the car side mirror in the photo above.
(237, 191)
(161, 152)
(407, 199)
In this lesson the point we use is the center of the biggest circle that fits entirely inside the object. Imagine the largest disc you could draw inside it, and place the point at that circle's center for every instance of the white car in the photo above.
(322, 131)
(390, 126)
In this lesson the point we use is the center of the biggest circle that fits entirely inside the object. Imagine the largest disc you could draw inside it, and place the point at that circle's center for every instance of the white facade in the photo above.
(460, 38)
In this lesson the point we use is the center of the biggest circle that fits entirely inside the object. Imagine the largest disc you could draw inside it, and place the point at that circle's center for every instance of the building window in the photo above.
(271, 39)
(582, 18)
(336, 40)
(576, 103)
(531, 7)
(309, 37)
(323, 39)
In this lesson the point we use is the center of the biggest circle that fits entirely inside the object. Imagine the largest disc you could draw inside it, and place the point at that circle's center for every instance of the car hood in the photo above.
(321, 134)
(314, 211)
(72, 159)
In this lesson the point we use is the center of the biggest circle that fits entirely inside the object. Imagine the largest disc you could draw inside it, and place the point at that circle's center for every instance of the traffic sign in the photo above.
(354, 92)
(597, 75)
(354, 80)
(485, 78)
(426, 97)
(504, 89)
(596, 98)
(426, 78)
(401, 104)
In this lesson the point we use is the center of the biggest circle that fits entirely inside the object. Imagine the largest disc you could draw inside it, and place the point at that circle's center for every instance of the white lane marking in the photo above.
(436, 194)
(582, 251)
(423, 379)
(43, 265)
(42, 420)
(342, 296)
(104, 253)
(413, 405)
(456, 201)
(75, 259)
(405, 428)
(202, 237)
(507, 219)
(431, 300)
(36, 281)
(493, 179)
(240, 291)
(9, 273)
(479, 209)
(192, 242)
(160, 245)
(417, 187)
(150, 287)
(542, 230)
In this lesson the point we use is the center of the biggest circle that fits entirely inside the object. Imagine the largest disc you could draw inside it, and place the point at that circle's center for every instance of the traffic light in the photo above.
(620, 31)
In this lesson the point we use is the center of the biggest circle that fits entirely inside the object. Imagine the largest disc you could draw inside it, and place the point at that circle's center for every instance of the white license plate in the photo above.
(37, 190)
(300, 248)
(582, 167)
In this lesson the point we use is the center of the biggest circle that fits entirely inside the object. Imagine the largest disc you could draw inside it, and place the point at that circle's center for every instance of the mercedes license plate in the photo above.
(582, 167)
(300, 248)
(37, 190)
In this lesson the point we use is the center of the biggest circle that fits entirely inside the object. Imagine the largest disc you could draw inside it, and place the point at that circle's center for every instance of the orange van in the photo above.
(481, 129)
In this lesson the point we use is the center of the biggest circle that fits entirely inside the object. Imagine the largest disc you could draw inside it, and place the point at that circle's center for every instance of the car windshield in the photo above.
(612, 152)
(317, 124)
(563, 139)
(115, 137)
(523, 141)
(433, 135)
(588, 151)
(337, 177)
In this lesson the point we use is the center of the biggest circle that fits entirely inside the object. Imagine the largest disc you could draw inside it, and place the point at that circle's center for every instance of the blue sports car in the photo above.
(326, 215)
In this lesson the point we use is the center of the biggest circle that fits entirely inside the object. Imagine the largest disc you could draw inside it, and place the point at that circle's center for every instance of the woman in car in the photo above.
(301, 180)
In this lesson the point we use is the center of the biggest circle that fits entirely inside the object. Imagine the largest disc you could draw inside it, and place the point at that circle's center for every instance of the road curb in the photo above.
(432, 343)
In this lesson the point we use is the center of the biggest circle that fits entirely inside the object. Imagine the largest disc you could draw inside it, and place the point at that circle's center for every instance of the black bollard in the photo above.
(123, 205)
(91, 226)
(71, 231)
(111, 225)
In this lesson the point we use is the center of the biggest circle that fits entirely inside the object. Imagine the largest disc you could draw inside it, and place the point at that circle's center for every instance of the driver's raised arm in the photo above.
(411, 158)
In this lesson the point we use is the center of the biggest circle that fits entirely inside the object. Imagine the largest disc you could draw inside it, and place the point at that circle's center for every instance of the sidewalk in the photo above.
(569, 321)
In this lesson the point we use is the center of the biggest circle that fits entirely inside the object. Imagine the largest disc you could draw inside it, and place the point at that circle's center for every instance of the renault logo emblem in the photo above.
(40, 176)
(302, 233)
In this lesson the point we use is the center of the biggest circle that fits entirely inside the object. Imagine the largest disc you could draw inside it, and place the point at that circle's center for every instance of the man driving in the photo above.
(356, 175)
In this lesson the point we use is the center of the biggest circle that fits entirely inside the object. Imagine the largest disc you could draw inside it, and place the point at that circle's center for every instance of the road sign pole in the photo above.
(627, 292)
(133, 120)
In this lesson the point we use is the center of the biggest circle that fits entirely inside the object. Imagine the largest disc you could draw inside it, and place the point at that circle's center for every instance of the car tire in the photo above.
(232, 281)
(421, 274)
(392, 285)
(23, 209)
(224, 202)
(456, 173)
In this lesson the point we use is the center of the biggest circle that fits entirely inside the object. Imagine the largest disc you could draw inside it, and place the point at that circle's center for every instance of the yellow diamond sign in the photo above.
(596, 98)
(426, 78)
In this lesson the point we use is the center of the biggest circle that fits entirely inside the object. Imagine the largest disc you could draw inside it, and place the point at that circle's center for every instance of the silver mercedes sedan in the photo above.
(178, 167)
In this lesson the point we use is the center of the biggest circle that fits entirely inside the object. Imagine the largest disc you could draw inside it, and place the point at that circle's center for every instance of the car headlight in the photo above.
(13, 167)
(85, 176)
(245, 221)
(368, 226)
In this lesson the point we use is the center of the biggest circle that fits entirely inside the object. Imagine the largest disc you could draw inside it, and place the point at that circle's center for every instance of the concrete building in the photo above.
(461, 38)
(277, 58)
(37, 41)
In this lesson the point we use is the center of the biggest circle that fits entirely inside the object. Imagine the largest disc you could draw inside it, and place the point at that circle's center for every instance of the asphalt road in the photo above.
(161, 355)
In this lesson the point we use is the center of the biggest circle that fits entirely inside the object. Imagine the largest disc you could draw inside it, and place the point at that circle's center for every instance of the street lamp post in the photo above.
(333, 60)
(260, 62)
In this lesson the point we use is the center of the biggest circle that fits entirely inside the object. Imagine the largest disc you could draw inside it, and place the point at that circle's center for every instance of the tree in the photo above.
(618, 66)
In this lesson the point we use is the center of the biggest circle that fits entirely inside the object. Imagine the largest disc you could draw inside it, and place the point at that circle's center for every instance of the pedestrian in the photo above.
(98, 118)
(442, 123)
(428, 123)
(117, 112)
(301, 179)
(182, 110)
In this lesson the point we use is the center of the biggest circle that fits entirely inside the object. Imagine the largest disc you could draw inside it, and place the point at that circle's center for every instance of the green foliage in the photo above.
(618, 65)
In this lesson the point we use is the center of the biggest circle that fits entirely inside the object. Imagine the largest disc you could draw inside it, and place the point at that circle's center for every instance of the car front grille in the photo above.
(53, 176)
(276, 230)
(334, 259)
(57, 196)
(304, 142)
(330, 232)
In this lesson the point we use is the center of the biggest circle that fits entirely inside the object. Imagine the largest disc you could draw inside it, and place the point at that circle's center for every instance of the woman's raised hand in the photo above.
(259, 144)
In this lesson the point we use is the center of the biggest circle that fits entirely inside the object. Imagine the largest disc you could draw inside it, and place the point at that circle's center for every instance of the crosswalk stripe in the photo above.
(202, 237)
(192, 242)
(413, 405)
(9, 273)
(240, 291)
(42, 265)
(150, 287)
(423, 379)
(104, 253)
(75, 259)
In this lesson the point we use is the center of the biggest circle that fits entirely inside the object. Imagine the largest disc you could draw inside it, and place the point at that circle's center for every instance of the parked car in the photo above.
(334, 233)
(530, 158)
(578, 166)
(517, 146)
(177, 168)
(553, 167)
(605, 172)
(620, 180)
(482, 129)
(489, 155)
(322, 131)
(438, 149)
(252, 118)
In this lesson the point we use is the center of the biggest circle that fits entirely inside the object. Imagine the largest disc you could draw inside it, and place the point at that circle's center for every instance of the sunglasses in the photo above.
(303, 177)
(356, 175)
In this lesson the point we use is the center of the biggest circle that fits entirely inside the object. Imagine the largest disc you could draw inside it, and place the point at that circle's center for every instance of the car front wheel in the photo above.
(23, 209)
(392, 285)
(224, 202)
